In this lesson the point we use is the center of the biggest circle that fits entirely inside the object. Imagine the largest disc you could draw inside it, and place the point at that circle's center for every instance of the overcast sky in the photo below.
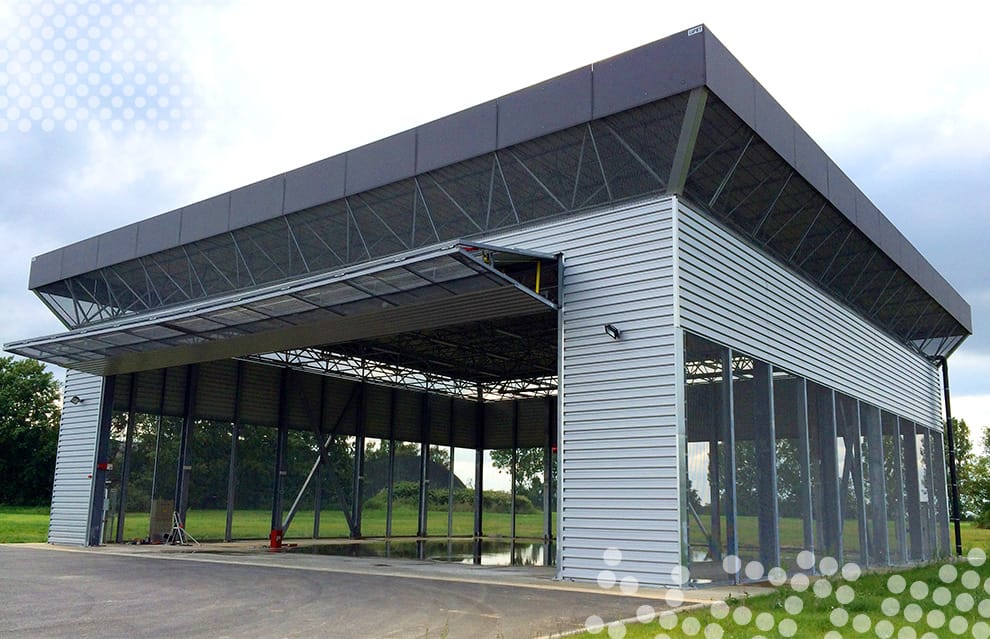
(111, 112)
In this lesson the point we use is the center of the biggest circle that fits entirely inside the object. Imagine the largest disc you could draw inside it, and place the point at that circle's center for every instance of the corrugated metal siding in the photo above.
(76, 460)
(735, 295)
(618, 446)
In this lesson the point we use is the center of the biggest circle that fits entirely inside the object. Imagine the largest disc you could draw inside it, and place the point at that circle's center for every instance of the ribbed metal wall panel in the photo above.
(734, 294)
(72, 494)
(618, 440)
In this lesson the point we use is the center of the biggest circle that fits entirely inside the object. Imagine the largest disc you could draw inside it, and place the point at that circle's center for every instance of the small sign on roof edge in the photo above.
(696, 30)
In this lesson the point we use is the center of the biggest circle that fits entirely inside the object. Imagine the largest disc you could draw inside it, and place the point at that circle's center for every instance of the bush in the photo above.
(406, 493)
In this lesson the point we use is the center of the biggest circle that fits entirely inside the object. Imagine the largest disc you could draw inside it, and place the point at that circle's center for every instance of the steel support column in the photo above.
(424, 464)
(125, 473)
(450, 474)
(393, 395)
(278, 488)
(360, 426)
(804, 454)
(512, 473)
(727, 426)
(479, 464)
(183, 467)
(950, 436)
(235, 433)
(681, 164)
(900, 515)
(549, 443)
(99, 485)
(764, 448)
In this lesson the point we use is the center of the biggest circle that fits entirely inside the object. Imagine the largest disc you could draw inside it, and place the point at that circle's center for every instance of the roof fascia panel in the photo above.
(314, 184)
(388, 160)
(205, 219)
(649, 73)
(457, 137)
(545, 108)
(257, 202)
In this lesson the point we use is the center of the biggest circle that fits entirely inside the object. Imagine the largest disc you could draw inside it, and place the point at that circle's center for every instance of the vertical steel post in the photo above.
(512, 474)
(360, 425)
(125, 474)
(235, 433)
(765, 451)
(158, 446)
(318, 495)
(729, 438)
(424, 464)
(391, 462)
(281, 442)
(900, 516)
(98, 487)
(804, 454)
(183, 467)
(479, 464)
(450, 474)
(951, 439)
(549, 442)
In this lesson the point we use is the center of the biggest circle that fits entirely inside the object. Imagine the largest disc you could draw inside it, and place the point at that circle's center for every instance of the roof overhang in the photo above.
(413, 291)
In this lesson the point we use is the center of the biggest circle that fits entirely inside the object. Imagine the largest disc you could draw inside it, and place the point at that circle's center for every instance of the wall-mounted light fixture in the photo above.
(612, 331)
(75, 400)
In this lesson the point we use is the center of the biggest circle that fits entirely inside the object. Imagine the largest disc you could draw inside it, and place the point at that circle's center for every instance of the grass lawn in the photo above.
(31, 524)
(947, 602)
(23, 523)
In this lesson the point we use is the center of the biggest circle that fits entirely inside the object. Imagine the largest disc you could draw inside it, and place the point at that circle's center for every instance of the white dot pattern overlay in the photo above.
(94, 65)
(943, 611)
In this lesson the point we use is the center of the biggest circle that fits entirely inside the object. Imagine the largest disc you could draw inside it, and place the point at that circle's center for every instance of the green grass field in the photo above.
(941, 603)
(31, 524)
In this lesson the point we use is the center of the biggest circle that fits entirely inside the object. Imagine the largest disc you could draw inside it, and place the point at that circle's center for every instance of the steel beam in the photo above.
(125, 473)
(512, 473)
(804, 454)
(183, 467)
(479, 465)
(953, 473)
(99, 485)
(764, 448)
(360, 426)
(879, 552)
(424, 464)
(393, 395)
(235, 433)
(680, 167)
(281, 442)
(727, 426)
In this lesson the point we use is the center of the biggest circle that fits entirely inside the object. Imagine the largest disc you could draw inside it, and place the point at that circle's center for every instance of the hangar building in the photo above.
(643, 270)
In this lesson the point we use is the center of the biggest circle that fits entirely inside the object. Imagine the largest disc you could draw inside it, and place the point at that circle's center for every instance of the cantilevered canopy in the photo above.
(415, 291)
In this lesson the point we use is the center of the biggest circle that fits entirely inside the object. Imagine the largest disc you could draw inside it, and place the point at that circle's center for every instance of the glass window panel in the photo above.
(709, 450)
(896, 533)
(874, 484)
(793, 471)
(756, 511)
(824, 471)
(849, 456)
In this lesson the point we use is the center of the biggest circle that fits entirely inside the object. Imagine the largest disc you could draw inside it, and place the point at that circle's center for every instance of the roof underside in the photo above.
(601, 135)
(358, 309)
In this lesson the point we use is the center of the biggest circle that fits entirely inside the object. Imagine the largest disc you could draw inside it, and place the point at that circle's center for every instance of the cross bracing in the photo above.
(733, 174)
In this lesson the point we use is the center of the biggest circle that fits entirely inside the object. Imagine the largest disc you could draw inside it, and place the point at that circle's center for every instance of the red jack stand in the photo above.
(275, 540)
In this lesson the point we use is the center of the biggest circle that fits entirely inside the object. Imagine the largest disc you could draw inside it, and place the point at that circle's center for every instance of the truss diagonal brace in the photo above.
(681, 164)
(324, 459)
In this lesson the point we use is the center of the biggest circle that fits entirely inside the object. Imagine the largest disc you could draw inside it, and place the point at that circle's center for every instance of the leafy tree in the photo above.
(29, 416)
(529, 471)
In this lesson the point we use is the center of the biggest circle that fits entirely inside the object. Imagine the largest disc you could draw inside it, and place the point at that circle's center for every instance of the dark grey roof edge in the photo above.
(651, 72)
(727, 78)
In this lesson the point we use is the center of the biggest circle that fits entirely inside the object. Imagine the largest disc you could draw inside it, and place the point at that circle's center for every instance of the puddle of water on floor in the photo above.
(463, 551)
